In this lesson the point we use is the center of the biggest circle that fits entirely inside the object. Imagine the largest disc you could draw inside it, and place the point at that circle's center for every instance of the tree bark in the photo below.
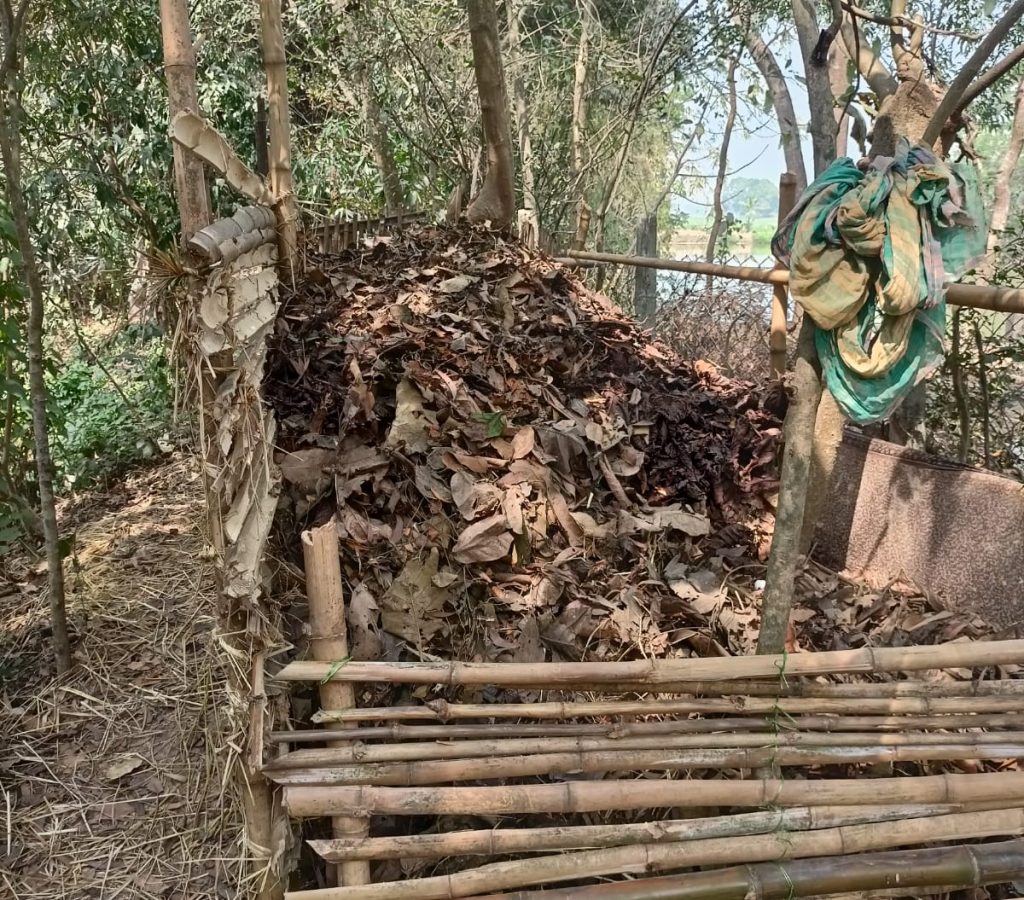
(496, 202)
(819, 89)
(394, 199)
(645, 281)
(782, 101)
(180, 71)
(1007, 168)
(723, 163)
(579, 124)
(10, 140)
(516, 15)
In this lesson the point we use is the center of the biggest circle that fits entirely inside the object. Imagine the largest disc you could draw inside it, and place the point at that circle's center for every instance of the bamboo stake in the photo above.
(329, 640)
(939, 869)
(441, 711)
(998, 299)
(654, 671)
(281, 183)
(640, 858)
(398, 732)
(497, 841)
(463, 750)
(447, 771)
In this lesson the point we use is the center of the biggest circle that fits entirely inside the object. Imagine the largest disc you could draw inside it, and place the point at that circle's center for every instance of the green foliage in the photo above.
(101, 435)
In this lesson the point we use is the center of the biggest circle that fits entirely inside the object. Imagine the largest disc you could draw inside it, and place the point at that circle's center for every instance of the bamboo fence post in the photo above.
(497, 841)
(940, 869)
(642, 858)
(281, 182)
(329, 642)
(780, 293)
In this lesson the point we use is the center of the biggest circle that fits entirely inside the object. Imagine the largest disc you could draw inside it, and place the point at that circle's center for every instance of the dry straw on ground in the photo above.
(113, 783)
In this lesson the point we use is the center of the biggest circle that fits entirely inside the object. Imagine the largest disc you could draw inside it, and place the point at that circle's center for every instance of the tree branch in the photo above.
(904, 22)
(951, 101)
(989, 77)
(878, 77)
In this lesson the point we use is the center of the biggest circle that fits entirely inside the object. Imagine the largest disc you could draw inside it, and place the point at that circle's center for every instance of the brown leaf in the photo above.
(473, 497)
(564, 518)
(413, 607)
(430, 486)
(306, 467)
(455, 460)
(512, 505)
(523, 443)
(483, 541)
(530, 648)
(456, 283)
(409, 430)
(363, 624)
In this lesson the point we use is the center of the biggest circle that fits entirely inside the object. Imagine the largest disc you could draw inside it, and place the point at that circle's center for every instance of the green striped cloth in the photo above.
(869, 252)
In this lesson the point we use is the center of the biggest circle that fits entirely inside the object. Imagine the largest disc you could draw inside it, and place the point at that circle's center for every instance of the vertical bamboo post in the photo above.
(780, 296)
(280, 133)
(180, 72)
(260, 135)
(329, 640)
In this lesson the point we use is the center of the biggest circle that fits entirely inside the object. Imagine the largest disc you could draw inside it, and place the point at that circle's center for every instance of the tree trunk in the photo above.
(180, 71)
(1007, 168)
(782, 101)
(496, 202)
(394, 199)
(516, 15)
(10, 139)
(645, 281)
(819, 89)
(723, 164)
(579, 124)
(839, 84)
(280, 134)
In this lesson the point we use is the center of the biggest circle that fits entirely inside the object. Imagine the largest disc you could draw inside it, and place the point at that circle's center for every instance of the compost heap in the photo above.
(517, 472)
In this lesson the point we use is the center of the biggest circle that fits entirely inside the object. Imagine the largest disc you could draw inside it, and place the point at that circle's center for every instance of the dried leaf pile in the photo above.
(517, 471)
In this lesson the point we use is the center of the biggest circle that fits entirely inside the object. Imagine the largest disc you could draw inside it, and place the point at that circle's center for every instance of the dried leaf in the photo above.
(409, 430)
(124, 765)
(523, 443)
(363, 616)
(483, 541)
(456, 283)
(306, 467)
(430, 486)
(413, 607)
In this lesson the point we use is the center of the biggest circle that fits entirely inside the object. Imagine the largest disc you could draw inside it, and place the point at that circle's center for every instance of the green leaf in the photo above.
(494, 421)
(336, 667)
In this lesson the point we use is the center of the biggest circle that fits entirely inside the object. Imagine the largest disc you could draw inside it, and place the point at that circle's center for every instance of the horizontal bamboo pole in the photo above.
(334, 756)
(498, 841)
(654, 671)
(589, 796)
(938, 869)
(397, 732)
(642, 858)
(999, 299)
(438, 711)
(446, 771)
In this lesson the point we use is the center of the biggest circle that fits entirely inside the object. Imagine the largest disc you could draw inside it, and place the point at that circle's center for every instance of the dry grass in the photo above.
(113, 784)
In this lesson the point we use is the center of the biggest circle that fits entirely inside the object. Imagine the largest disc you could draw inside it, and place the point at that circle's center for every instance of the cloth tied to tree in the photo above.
(869, 252)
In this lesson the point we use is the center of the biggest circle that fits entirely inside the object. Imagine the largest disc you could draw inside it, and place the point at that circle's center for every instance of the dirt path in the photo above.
(110, 787)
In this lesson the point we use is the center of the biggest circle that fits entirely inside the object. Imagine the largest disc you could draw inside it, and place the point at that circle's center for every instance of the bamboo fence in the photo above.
(785, 759)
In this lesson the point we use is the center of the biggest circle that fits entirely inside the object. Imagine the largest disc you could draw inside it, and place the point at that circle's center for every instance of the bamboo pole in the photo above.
(180, 71)
(498, 841)
(279, 122)
(780, 293)
(329, 641)
(464, 750)
(411, 773)
(939, 869)
(642, 858)
(441, 711)
(590, 796)
(974, 654)
(976, 296)
(398, 732)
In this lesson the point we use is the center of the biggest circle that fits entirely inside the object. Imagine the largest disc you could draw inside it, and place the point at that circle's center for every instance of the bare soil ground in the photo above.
(111, 783)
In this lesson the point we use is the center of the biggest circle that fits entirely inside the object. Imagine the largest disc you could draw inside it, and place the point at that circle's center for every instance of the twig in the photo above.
(904, 22)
